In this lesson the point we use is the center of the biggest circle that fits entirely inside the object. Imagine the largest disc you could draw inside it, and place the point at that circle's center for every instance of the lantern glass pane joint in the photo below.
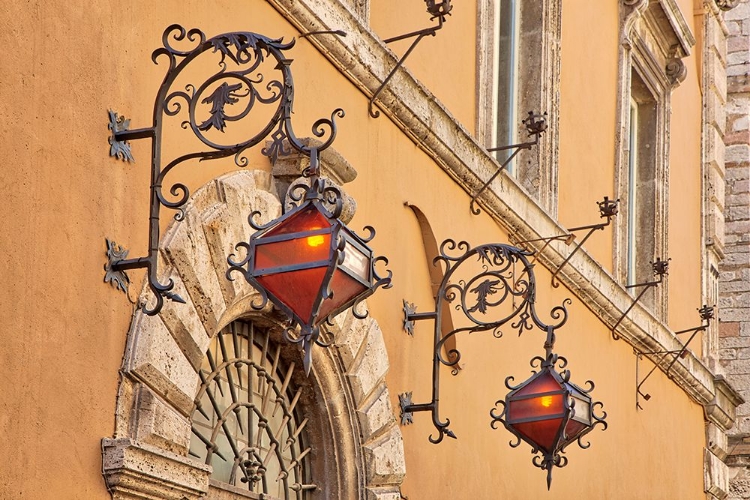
(549, 412)
(309, 264)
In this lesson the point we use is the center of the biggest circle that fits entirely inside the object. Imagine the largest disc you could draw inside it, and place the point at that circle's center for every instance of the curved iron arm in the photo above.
(706, 314)
(535, 125)
(506, 275)
(438, 11)
(229, 95)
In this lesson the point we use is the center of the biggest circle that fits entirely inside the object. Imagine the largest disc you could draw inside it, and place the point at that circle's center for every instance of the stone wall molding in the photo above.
(365, 61)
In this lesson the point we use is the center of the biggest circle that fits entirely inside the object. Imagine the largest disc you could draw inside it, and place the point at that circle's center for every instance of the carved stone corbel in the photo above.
(138, 471)
(727, 4)
(676, 71)
(641, 5)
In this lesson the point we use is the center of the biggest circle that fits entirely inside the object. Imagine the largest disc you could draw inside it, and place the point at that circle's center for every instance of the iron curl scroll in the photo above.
(501, 293)
(246, 71)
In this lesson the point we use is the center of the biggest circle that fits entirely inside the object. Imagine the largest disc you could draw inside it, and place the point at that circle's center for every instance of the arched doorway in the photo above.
(356, 446)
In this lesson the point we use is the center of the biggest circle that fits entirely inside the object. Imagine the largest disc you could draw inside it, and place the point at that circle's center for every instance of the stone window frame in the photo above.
(360, 8)
(538, 90)
(654, 37)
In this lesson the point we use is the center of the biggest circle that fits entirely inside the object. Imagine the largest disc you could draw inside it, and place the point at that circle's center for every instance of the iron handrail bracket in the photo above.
(706, 313)
(607, 209)
(660, 268)
(231, 91)
(535, 126)
(420, 34)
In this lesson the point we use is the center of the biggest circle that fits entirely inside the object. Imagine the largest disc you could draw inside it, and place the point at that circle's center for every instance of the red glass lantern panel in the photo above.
(537, 410)
(308, 219)
(574, 429)
(542, 432)
(306, 249)
(344, 289)
(294, 261)
(293, 265)
(298, 290)
(544, 382)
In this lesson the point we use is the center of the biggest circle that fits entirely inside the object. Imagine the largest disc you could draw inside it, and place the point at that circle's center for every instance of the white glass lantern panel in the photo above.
(356, 262)
(581, 410)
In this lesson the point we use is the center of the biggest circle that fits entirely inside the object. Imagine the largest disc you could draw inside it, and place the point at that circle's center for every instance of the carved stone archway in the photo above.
(360, 445)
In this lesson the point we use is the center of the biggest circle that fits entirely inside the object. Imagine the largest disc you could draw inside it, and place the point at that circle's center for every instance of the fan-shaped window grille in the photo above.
(247, 422)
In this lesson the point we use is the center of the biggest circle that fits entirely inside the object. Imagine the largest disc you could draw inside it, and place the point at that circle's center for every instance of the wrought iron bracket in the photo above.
(504, 286)
(438, 12)
(706, 313)
(118, 146)
(411, 315)
(607, 209)
(116, 277)
(535, 127)
(238, 83)
(660, 269)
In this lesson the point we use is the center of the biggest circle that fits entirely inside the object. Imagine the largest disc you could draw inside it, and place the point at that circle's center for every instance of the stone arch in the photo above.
(360, 444)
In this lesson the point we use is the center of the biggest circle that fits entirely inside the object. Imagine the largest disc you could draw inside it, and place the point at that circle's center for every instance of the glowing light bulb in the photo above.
(315, 241)
(546, 401)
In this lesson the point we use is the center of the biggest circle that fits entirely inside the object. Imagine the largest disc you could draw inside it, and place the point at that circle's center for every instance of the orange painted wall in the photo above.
(65, 330)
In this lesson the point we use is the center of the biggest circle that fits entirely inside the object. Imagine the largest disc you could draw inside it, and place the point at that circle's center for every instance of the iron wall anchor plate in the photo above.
(409, 309)
(116, 277)
(119, 149)
(404, 400)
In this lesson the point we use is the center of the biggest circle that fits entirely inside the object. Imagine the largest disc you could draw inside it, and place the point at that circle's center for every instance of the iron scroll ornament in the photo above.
(238, 86)
(506, 276)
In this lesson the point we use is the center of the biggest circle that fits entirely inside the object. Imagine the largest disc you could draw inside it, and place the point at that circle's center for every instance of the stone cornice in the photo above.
(679, 25)
(134, 470)
(365, 60)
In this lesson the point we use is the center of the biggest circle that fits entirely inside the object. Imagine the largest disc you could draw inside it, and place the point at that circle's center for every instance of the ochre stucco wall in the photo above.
(65, 330)
(588, 110)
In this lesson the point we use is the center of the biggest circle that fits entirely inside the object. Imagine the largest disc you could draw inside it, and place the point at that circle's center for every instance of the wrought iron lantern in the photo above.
(548, 412)
(494, 287)
(309, 263)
